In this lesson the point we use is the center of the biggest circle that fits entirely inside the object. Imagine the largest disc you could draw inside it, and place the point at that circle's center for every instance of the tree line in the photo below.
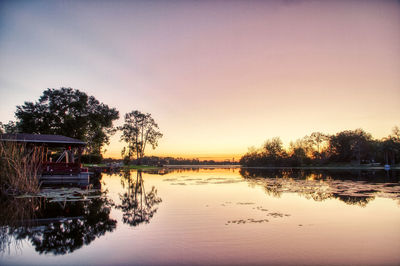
(355, 147)
(73, 113)
(160, 161)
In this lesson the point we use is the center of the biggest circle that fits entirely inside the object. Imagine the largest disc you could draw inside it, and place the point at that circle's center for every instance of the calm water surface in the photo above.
(209, 216)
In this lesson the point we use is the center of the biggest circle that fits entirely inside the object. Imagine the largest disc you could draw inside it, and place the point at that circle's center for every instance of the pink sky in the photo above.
(219, 76)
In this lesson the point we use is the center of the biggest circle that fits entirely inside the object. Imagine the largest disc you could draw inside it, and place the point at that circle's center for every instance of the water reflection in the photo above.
(55, 227)
(355, 188)
(11, 215)
(217, 216)
(137, 205)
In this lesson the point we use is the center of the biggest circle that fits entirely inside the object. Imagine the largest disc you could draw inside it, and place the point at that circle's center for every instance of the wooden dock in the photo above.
(75, 179)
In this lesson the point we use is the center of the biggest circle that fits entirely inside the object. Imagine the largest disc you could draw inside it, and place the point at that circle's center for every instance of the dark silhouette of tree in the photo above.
(71, 113)
(350, 145)
(56, 229)
(298, 156)
(273, 148)
(139, 130)
(10, 127)
(271, 154)
(345, 147)
(137, 205)
(252, 158)
(298, 152)
(316, 141)
(390, 147)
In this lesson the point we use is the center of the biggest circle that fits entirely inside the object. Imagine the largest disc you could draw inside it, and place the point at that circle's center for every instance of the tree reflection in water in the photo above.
(355, 188)
(136, 205)
(55, 228)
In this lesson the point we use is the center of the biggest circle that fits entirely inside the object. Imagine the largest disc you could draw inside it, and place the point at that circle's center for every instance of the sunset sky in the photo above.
(217, 76)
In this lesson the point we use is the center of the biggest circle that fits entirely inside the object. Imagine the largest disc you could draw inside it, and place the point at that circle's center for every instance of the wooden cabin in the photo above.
(67, 167)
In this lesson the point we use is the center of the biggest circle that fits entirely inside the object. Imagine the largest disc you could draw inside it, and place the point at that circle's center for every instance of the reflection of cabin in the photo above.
(67, 168)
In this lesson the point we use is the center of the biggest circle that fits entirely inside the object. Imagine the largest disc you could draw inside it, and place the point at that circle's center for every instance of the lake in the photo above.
(209, 216)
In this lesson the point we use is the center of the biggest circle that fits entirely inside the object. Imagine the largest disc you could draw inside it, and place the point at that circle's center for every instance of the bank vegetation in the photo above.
(345, 148)
(20, 165)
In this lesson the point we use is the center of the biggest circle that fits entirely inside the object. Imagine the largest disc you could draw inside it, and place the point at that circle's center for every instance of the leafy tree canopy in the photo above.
(139, 130)
(273, 147)
(10, 127)
(71, 113)
(349, 145)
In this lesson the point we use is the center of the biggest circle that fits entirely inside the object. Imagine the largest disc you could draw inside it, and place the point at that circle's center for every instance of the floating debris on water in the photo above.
(349, 191)
(249, 220)
(170, 179)
(275, 214)
(65, 194)
(260, 208)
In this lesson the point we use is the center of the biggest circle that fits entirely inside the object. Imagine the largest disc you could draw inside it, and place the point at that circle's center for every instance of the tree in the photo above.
(273, 148)
(350, 145)
(71, 113)
(395, 134)
(139, 130)
(10, 127)
(317, 139)
(299, 150)
(391, 146)
(273, 153)
(251, 158)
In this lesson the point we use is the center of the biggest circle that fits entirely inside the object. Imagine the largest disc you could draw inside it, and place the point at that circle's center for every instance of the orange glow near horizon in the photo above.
(218, 77)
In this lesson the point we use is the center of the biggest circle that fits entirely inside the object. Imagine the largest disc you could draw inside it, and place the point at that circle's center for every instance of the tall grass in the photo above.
(19, 168)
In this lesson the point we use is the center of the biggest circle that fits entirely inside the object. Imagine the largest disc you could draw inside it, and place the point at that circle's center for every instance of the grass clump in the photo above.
(19, 168)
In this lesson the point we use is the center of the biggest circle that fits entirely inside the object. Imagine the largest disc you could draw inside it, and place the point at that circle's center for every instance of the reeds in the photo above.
(19, 168)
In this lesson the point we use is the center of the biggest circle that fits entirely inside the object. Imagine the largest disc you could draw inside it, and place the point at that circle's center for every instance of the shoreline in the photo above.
(324, 167)
(211, 166)
(287, 167)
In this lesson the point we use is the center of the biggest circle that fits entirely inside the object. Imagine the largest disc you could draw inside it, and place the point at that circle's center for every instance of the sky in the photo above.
(217, 76)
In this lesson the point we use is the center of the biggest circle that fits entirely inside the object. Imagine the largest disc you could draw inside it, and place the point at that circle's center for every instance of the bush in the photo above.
(92, 158)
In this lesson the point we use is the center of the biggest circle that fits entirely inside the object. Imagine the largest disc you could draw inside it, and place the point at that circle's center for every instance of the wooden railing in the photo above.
(52, 168)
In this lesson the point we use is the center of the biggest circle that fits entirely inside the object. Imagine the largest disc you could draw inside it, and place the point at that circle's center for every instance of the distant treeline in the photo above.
(155, 160)
(354, 147)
